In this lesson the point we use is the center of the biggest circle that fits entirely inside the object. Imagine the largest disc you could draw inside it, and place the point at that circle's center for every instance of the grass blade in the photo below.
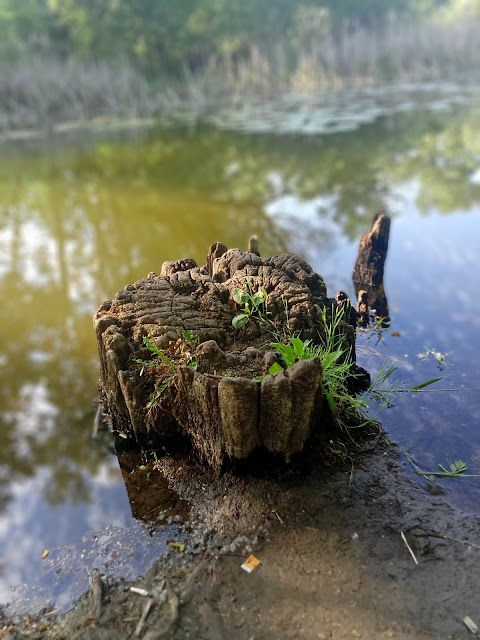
(422, 385)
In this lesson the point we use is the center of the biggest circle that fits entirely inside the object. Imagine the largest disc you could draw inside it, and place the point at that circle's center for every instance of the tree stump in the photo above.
(368, 272)
(172, 363)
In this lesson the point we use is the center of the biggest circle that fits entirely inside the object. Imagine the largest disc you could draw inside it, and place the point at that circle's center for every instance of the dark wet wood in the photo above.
(223, 409)
(368, 272)
(363, 312)
(350, 315)
(253, 246)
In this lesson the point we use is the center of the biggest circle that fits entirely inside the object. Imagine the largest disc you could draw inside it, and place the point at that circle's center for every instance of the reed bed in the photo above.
(40, 93)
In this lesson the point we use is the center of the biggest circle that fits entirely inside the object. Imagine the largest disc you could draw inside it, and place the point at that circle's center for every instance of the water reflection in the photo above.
(433, 290)
(79, 219)
(151, 499)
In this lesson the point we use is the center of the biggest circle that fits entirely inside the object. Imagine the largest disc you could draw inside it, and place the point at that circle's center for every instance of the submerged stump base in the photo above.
(173, 364)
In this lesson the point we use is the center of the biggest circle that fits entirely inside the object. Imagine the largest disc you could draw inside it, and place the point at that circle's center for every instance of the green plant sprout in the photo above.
(159, 360)
(457, 469)
(251, 303)
(292, 351)
(349, 411)
(441, 358)
(159, 357)
(334, 371)
(157, 393)
(189, 338)
(335, 358)
(385, 397)
(190, 341)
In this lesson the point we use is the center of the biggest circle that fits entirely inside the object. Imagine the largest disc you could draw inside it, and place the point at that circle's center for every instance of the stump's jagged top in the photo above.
(223, 409)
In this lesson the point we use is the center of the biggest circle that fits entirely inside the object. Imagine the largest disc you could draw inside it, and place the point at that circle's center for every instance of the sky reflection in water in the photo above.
(79, 219)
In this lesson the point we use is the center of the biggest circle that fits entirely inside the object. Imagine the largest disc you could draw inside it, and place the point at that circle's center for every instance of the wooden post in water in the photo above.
(368, 272)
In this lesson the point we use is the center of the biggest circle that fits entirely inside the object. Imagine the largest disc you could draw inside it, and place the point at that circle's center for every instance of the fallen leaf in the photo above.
(45, 554)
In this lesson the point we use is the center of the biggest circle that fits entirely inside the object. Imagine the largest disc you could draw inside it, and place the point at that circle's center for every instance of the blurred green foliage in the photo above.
(161, 35)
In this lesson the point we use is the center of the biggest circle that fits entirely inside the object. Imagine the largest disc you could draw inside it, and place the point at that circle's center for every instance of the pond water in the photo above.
(83, 215)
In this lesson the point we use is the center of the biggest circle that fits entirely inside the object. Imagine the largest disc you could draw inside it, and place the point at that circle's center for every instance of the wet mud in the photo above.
(334, 563)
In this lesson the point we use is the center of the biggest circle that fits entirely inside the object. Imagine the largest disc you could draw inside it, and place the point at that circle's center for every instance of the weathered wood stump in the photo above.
(368, 272)
(173, 364)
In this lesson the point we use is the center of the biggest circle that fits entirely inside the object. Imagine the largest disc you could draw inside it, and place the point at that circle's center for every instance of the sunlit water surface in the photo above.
(82, 216)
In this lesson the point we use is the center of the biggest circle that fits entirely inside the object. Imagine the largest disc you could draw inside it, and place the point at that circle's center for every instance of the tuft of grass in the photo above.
(159, 357)
(41, 92)
(384, 397)
(190, 338)
(349, 410)
(162, 368)
(156, 394)
(336, 363)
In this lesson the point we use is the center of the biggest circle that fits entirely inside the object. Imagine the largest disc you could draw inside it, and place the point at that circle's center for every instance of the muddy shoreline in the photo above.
(334, 564)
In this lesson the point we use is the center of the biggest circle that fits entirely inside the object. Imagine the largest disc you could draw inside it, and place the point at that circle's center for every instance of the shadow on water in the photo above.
(150, 498)
(81, 218)
(124, 547)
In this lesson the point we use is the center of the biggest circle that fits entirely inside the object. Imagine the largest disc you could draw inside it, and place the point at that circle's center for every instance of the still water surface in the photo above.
(80, 217)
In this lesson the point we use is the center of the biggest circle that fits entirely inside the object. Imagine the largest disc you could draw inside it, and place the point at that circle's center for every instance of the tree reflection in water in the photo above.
(80, 218)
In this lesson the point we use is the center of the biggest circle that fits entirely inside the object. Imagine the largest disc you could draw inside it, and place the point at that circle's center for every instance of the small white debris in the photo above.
(355, 536)
(408, 547)
(141, 622)
(470, 624)
(139, 591)
(475, 177)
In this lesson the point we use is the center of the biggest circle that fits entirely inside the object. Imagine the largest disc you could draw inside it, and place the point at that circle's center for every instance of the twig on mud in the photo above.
(59, 563)
(190, 579)
(278, 516)
(143, 617)
(408, 547)
(443, 537)
(174, 604)
(149, 513)
(97, 592)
